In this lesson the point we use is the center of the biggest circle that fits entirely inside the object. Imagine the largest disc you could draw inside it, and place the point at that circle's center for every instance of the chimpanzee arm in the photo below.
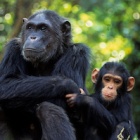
(35, 90)
(74, 64)
(16, 85)
(32, 87)
(96, 114)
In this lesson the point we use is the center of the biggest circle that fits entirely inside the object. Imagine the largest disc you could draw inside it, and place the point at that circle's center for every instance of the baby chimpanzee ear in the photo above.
(94, 75)
(131, 83)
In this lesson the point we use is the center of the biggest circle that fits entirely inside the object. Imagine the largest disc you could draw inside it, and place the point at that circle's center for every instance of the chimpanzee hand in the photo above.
(72, 97)
(62, 86)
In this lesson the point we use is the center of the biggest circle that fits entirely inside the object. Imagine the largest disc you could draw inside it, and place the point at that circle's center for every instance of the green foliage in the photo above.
(110, 28)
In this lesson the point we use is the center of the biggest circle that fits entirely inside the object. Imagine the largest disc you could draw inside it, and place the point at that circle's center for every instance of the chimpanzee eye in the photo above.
(117, 81)
(107, 79)
(29, 26)
(43, 28)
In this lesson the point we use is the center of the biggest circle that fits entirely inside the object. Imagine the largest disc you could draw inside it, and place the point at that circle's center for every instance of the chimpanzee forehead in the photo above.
(113, 72)
(113, 75)
(40, 18)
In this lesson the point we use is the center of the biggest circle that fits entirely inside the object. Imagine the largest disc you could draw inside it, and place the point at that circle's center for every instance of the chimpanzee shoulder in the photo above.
(12, 58)
(13, 45)
(74, 63)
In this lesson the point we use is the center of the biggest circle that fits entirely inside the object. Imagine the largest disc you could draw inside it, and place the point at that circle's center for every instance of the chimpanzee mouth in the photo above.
(32, 54)
(33, 50)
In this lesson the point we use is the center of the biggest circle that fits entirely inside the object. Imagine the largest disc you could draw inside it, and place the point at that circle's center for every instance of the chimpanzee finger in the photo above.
(69, 95)
(82, 91)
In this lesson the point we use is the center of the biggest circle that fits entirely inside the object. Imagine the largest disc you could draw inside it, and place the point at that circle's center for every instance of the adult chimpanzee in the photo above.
(107, 113)
(42, 65)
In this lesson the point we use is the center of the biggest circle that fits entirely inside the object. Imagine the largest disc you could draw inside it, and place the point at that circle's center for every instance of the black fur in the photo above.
(106, 120)
(42, 65)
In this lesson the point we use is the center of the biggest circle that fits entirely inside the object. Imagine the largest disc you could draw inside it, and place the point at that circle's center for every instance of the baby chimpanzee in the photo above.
(107, 113)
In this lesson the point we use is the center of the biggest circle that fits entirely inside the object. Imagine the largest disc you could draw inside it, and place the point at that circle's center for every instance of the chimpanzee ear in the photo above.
(131, 83)
(25, 20)
(94, 75)
(66, 28)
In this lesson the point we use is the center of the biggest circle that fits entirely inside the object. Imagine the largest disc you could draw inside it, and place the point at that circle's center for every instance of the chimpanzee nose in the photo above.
(110, 87)
(33, 37)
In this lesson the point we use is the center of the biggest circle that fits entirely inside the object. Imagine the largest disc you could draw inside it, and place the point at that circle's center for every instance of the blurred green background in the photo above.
(110, 28)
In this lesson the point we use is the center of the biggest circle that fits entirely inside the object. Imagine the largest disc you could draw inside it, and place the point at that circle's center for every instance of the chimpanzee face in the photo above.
(111, 83)
(42, 37)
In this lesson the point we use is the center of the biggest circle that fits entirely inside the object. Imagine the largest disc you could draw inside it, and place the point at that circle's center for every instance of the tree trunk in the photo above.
(23, 9)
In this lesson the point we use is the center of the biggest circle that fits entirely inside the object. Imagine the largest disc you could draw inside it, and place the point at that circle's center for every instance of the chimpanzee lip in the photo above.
(33, 50)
